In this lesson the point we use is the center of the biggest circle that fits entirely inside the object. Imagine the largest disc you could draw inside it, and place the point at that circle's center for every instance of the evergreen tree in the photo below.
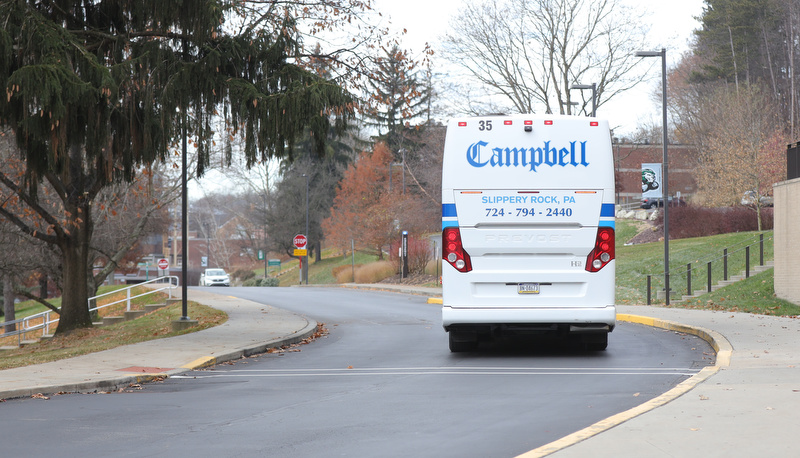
(740, 40)
(98, 89)
(398, 99)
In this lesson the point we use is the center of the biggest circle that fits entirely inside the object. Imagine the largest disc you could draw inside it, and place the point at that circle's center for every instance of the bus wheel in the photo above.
(597, 342)
(462, 341)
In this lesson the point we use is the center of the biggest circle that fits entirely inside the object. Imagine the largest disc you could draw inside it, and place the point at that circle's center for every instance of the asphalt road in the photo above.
(382, 383)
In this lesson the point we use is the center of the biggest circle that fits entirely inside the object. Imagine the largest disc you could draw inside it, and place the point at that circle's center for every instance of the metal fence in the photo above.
(45, 320)
(704, 268)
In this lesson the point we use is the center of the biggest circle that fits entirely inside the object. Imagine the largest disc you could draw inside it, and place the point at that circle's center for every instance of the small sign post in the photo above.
(404, 254)
(163, 265)
(275, 263)
(300, 241)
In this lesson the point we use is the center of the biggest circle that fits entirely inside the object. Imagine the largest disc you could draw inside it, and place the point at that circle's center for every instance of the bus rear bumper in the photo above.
(575, 319)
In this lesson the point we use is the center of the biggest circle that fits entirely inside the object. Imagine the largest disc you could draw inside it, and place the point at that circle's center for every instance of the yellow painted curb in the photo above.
(717, 341)
(199, 363)
(434, 300)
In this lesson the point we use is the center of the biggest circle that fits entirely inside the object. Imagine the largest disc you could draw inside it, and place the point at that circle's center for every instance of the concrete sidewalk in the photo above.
(251, 328)
(746, 405)
(749, 405)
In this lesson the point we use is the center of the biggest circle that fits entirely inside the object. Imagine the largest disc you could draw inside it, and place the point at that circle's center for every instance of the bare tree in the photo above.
(745, 146)
(528, 53)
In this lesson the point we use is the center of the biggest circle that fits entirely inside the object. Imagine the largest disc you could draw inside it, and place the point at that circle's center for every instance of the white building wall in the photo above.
(787, 240)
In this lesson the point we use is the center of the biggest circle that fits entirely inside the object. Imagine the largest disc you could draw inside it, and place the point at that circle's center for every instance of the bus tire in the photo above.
(597, 343)
(461, 342)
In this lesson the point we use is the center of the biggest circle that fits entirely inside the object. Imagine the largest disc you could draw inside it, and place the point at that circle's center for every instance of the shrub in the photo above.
(432, 269)
(251, 282)
(375, 272)
(243, 274)
(696, 221)
(269, 281)
(420, 252)
(344, 273)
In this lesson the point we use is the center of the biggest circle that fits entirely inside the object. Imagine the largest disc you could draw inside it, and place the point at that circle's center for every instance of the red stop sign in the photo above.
(300, 241)
(163, 264)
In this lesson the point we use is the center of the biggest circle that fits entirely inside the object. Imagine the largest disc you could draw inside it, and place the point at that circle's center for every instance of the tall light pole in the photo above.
(665, 187)
(593, 87)
(305, 274)
(184, 218)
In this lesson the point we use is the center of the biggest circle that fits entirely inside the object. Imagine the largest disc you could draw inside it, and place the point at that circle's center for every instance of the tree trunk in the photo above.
(43, 286)
(758, 215)
(75, 291)
(8, 302)
(75, 273)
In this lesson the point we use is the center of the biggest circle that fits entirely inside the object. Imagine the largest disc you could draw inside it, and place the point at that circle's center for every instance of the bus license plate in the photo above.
(528, 288)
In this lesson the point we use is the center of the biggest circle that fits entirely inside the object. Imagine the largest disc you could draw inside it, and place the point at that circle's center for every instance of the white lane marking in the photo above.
(316, 372)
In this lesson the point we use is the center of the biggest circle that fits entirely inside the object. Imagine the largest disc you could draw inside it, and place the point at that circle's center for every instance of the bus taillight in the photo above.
(603, 251)
(453, 251)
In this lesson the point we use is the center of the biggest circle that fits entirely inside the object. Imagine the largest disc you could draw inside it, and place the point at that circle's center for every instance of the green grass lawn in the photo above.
(636, 262)
(755, 294)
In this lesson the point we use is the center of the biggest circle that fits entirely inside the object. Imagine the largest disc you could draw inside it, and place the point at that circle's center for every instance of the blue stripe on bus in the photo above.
(446, 224)
(448, 210)
(607, 210)
(610, 224)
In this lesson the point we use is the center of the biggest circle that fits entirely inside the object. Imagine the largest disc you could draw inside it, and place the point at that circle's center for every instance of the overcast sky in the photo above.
(672, 24)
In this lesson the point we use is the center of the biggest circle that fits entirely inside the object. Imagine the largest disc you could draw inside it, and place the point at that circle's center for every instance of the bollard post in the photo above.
(760, 249)
(709, 276)
(648, 290)
(725, 264)
(747, 261)
(689, 279)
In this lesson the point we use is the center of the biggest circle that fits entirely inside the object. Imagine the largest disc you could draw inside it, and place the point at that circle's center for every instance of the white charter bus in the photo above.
(528, 229)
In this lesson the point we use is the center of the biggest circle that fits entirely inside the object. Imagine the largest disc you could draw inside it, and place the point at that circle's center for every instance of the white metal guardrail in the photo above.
(44, 320)
(29, 324)
(168, 282)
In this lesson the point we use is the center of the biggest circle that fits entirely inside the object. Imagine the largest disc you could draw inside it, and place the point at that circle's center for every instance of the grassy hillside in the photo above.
(635, 262)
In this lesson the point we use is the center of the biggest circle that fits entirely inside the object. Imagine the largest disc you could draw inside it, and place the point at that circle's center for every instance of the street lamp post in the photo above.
(184, 222)
(593, 87)
(665, 181)
(305, 274)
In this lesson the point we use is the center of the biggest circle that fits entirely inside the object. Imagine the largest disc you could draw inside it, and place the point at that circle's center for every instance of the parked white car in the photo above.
(749, 199)
(215, 277)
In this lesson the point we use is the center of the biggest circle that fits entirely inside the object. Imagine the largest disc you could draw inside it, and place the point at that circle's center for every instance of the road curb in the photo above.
(208, 361)
(718, 342)
(116, 383)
